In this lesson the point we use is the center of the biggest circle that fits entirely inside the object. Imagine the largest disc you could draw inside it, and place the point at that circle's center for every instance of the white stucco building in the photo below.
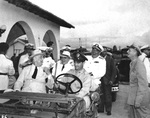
(21, 17)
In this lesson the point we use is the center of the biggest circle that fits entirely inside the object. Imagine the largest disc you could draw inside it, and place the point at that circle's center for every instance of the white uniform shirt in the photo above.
(97, 67)
(30, 84)
(6, 66)
(146, 62)
(22, 60)
(57, 70)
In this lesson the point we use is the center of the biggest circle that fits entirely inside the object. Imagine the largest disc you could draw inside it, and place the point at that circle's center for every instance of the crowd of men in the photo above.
(34, 69)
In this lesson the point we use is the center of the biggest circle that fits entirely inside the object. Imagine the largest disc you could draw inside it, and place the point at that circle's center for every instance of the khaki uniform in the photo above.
(85, 79)
(86, 82)
(139, 94)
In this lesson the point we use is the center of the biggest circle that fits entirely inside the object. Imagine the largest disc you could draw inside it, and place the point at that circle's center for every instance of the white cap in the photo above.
(65, 54)
(44, 48)
(66, 47)
(145, 47)
(98, 46)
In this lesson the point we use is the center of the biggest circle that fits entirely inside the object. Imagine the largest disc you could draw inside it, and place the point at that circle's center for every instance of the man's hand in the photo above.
(56, 85)
(137, 106)
(46, 70)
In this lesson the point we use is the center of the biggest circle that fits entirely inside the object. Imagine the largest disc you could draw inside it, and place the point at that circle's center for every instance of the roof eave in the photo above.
(27, 5)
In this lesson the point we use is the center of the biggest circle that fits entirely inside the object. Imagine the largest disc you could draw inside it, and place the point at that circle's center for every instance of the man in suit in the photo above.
(106, 84)
(33, 77)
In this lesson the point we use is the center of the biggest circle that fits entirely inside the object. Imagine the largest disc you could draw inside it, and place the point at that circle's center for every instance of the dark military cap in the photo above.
(79, 57)
(3, 47)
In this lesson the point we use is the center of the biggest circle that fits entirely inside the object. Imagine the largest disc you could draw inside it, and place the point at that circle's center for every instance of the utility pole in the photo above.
(80, 42)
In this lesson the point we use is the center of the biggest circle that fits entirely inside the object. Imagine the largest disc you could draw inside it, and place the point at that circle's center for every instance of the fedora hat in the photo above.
(36, 53)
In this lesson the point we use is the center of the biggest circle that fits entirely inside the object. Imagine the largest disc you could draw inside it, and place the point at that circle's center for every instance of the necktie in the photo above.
(62, 67)
(35, 73)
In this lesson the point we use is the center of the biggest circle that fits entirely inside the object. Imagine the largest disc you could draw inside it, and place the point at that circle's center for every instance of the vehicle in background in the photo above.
(124, 66)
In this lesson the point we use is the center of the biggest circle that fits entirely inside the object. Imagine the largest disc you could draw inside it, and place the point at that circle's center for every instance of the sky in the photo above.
(108, 22)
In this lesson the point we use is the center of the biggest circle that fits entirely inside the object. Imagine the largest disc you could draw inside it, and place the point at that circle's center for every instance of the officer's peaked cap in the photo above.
(65, 54)
(79, 57)
(145, 47)
(98, 46)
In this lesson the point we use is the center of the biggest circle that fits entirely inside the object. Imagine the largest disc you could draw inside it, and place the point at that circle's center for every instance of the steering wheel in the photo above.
(67, 84)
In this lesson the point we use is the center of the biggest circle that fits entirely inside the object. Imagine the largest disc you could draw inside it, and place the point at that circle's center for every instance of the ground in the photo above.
(119, 109)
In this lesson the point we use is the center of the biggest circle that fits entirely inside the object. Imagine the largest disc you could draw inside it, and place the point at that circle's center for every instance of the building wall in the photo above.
(10, 14)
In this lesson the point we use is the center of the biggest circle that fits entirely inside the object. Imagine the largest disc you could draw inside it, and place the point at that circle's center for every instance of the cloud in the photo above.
(123, 22)
(107, 21)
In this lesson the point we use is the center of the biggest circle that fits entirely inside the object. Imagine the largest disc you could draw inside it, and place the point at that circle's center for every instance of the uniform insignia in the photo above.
(78, 55)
